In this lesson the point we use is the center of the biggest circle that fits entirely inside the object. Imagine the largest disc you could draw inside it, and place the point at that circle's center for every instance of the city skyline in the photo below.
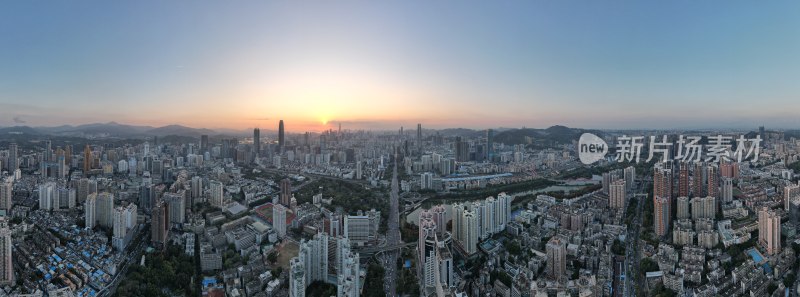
(386, 65)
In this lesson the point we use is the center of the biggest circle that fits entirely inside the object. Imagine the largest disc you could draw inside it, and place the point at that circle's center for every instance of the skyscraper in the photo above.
(556, 250)
(699, 180)
(215, 193)
(419, 138)
(703, 207)
(203, 143)
(104, 208)
(160, 223)
(6, 257)
(661, 214)
(47, 155)
(13, 159)
(712, 179)
(427, 249)
(461, 150)
(683, 208)
(629, 175)
(727, 190)
(769, 230)
(286, 192)
(257, 141)
(297, 278)
(490, 145)
(662, 182)
(87, 159)
(470, 231)
(790, 192)
(90, 211)
(314, 255)
(177, 206)
(6, 193)
(279, 219)
(683, 179)
(281, 140)
(616, 194)
(47, 195)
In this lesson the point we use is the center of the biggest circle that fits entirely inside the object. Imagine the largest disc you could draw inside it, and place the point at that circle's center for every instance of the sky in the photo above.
(383, 64)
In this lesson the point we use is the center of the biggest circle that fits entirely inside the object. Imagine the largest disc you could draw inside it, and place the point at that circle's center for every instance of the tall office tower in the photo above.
(556, 250)
(47, 155)
(297, 278)
(13, 159)
(90, 211)
(713, 181)
(257, 141)
(147, 196)
(470, 231)
(203, 143)
(490, 145)
(461, 149)
(48, 196)
(281, 136)
(727, 190)
(769, 230)
(699, 180)
(703, 207)
(629, 175)
(279, 219)
(427, 250)
(177, 206)
(6, 257)
(790, 192)
(616, 195)
(661, 215)
(683, 179)
(683, 208)
(68, 155)
(419, 138)
(159, 226)
(762, 133)
(6, 193)
(286, 192)
(104, 207)
(215, 195)
(314, 255)
(87, 159)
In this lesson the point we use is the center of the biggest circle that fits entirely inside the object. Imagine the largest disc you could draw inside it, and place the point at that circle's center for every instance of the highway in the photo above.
(389, 259)
(632, 251)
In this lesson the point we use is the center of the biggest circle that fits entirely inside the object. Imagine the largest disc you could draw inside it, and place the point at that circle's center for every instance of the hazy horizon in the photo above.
(377, 66)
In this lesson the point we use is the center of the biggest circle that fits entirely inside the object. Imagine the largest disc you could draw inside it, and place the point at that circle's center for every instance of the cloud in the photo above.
(19, 120)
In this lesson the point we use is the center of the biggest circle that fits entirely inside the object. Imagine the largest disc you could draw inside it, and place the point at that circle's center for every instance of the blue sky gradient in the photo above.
(600, 64)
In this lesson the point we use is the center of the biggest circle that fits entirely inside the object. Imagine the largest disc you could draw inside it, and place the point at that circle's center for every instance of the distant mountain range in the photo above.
(113, 129)
(554, 135)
